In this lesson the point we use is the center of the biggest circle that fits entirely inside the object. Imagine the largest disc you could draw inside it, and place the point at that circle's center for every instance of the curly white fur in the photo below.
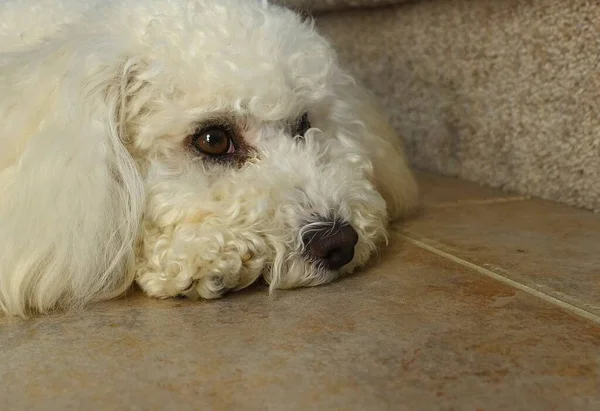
(99, 188)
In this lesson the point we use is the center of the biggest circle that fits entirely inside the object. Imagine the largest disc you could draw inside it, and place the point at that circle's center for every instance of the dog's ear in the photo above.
(70, 195)
(357, 114)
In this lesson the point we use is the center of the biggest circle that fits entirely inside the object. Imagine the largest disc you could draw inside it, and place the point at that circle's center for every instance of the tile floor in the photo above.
(486, 300)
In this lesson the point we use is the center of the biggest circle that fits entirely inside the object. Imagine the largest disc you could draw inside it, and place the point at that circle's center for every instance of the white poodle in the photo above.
(189, 145)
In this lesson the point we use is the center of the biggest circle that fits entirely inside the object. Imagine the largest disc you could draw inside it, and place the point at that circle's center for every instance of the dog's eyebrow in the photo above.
(217, 120)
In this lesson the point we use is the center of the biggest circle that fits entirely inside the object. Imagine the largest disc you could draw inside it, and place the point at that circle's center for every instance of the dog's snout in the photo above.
(332, 246)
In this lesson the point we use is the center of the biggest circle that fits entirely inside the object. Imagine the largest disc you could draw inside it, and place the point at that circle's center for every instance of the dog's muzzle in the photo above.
(333, 246)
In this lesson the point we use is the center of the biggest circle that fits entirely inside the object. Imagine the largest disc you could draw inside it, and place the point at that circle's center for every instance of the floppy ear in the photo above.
(70, 195)
(360, 119)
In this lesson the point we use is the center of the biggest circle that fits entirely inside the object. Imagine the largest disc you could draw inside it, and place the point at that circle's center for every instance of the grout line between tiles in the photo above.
(488, 273)
(459, 203)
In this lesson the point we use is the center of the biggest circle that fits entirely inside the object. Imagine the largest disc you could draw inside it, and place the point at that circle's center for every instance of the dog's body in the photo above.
(191, 145)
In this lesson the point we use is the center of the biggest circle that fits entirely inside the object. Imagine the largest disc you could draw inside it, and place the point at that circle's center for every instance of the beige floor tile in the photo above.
(437, 190)
(413, 332)
(549, 247)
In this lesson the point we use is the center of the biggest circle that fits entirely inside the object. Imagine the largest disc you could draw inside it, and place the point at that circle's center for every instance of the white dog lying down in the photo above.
(189, 145)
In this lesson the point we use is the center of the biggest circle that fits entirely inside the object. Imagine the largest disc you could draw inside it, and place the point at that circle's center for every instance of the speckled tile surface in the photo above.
(441, 191)
(546, 246)
(415, 331)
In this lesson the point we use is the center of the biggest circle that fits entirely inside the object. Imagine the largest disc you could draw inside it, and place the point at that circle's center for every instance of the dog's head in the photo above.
(254, 152)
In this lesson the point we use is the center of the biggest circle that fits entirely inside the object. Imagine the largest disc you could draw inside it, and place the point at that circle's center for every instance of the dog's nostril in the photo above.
(332, 246)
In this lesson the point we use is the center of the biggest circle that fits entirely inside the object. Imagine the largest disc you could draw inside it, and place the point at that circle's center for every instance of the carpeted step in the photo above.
(503, 93)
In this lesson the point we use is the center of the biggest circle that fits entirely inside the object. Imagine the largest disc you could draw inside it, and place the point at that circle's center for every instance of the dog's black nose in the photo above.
(332, 246)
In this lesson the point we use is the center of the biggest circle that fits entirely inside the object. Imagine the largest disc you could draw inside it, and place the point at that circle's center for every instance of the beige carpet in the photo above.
(499, 92)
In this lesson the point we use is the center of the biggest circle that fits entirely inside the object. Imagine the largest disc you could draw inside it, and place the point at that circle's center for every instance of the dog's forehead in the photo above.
(239, 31)
(224, 52)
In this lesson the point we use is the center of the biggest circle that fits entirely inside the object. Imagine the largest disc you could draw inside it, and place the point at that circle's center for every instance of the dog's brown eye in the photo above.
(303, 125)
(213, 141)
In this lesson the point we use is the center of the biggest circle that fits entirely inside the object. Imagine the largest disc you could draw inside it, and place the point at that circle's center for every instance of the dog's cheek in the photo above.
(184, 249)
